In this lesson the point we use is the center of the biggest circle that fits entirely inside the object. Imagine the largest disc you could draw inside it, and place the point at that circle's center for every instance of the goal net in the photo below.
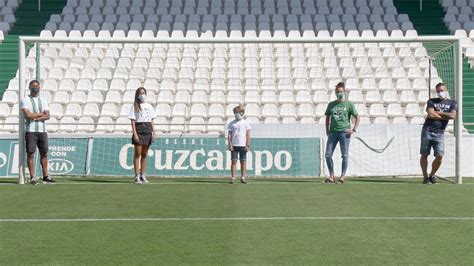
(284, 85)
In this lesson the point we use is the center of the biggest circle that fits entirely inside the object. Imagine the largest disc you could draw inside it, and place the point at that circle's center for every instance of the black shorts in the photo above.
(145, 134)
(36, 139)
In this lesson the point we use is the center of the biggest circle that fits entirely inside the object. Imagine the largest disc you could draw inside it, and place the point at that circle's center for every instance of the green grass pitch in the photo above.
(266, 222)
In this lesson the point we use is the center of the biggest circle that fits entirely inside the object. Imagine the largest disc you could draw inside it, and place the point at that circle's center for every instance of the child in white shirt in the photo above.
(238, 142)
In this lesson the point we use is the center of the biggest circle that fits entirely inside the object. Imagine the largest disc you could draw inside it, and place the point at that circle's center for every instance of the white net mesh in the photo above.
(285, 88)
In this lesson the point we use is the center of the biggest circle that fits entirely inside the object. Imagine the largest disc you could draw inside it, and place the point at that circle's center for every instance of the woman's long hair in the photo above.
(136, 103)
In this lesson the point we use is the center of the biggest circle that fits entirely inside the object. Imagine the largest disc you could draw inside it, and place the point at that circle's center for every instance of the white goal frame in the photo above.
(458, 79)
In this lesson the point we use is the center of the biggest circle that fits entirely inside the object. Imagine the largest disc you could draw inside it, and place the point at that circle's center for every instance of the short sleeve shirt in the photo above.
(340, 113)
(439, 105)
(238, 130)
(147, 114)
(35, 105)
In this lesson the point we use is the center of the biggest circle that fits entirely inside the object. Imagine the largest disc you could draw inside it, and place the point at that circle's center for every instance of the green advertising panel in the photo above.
(66, 156)
(208, 157)
(170, 157)
(8, 157)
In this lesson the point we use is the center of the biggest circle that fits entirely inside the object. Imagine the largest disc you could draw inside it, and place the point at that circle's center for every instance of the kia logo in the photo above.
(60, 166)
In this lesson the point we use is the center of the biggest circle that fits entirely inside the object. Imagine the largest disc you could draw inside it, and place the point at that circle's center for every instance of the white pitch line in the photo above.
(178, 219)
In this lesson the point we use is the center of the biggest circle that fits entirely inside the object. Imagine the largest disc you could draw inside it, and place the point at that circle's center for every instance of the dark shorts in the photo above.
(145, 134)
(238, 153)
(433, 140)
(36, 139)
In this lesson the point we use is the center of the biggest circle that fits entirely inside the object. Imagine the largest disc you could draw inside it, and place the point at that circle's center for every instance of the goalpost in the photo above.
(381, 140)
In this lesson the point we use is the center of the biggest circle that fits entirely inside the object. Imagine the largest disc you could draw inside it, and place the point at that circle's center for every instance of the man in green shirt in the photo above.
(338, 129)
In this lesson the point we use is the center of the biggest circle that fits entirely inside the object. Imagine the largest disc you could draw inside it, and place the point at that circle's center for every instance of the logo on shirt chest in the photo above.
(146, 114)
(442, 107)
(338, 112)
(238, 127)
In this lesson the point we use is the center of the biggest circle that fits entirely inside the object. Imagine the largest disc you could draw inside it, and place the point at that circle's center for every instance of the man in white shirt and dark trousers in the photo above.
(36, 111)
(239, 142)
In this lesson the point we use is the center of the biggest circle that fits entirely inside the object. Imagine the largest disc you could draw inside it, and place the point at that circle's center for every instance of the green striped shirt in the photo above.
(34, 105)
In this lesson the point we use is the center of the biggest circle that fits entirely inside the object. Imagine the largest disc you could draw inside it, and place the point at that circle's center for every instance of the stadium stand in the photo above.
(459, 19)
(7, 16)
(293, 18)
(28, 21)
(459, 14)
(198, 86)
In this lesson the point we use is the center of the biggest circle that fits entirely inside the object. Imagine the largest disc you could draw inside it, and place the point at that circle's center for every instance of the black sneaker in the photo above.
(32, 181)
(426, 180)
(143, 179)
(48, 180)
(432, 180)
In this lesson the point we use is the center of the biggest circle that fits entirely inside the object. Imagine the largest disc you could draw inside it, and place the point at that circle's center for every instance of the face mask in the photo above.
(442, 95)
(340, 96)
(34, 90)
(142, 98)
(238, 116)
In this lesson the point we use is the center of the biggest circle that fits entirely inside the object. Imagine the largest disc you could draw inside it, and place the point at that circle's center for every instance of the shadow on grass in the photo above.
(98, 180)
(379, 180)
(398, 180)
(8, 181)
(202, 181)
(157, 180)
(319, 180)
(224, 180)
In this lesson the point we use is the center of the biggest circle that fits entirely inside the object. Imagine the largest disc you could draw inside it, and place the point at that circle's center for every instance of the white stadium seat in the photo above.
(56, 110)
(281, 83)
(91, 110)
(73, 110)
(123, 125)
(10, 97)
(4, 110)
(68, 124)
(105, 125)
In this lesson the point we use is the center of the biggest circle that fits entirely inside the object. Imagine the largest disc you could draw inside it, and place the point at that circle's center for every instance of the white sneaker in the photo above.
(143, 179)
(242, 180)
(32, 180)
(137, 180)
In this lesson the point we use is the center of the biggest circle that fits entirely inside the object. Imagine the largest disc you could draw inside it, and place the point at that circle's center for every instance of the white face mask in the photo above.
(340, 96)
(142, 98)
(442, 94)
(238, 116)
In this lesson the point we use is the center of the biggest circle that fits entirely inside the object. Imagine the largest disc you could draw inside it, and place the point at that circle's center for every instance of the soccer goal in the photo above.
(284, 84)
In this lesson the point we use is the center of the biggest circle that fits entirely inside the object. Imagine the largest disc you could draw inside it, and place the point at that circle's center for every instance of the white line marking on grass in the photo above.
(177, 219)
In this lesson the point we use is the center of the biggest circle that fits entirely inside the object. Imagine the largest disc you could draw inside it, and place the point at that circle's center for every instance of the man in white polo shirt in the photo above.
(36, 111)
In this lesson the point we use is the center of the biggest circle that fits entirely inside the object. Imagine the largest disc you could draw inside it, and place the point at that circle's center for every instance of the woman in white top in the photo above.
(141, 116)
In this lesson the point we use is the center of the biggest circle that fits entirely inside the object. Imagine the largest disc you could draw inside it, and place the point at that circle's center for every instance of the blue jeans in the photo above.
(344, 141)
(238, 153)
(431, 139)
